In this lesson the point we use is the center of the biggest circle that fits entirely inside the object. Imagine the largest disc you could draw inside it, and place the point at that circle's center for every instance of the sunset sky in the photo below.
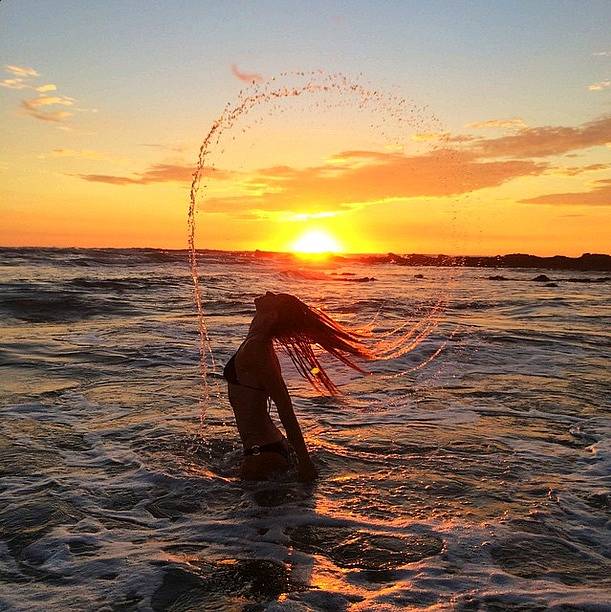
(104, 104)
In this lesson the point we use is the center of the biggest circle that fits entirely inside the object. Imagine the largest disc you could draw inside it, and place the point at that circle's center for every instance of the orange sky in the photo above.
(96, 156)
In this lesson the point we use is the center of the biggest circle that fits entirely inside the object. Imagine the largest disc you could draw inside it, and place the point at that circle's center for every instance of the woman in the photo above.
(253, 375)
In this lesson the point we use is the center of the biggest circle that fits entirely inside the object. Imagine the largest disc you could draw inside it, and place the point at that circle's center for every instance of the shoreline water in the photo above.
(587, 262)
(480, 481)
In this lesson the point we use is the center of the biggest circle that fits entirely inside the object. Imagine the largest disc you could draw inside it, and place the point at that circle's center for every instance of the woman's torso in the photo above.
(249, 399)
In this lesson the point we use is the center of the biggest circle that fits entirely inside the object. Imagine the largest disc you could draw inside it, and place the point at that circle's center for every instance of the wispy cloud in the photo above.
(37, 108)
(356, 178)
(21, 71)
(360, 178)
(545, 141)
(14, 84)
(515, 123)
(602, 54)
(576, 170)
(368, 177)
(54, 116)
(599, 86)
(157, 173)
(40, 107)
(444, 137)
(429, 136)
(77, 153)
(599, 196)
(48, 101)
(247, 77)
(164, 147)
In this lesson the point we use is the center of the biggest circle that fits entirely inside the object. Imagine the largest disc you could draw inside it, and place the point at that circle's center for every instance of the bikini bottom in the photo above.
(280, 447)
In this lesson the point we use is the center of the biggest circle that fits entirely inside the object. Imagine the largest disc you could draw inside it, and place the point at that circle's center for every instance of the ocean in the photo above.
(470, 473)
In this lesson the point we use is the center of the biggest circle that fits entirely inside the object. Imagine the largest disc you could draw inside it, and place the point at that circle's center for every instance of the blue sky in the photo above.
(460, 57)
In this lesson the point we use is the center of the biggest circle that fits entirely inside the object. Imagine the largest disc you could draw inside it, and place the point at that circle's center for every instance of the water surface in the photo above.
(479, 481)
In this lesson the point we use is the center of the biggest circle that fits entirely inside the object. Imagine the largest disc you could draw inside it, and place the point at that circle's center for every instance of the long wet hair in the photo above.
(299, 327)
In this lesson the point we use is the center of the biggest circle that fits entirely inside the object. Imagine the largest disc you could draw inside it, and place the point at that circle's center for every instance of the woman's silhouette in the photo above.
(253, 376)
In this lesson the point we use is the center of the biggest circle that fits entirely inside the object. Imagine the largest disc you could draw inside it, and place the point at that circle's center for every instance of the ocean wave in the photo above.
(315, 275)
(478, 481)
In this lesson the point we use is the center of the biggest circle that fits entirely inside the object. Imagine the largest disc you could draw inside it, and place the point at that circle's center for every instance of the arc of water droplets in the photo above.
(317, 82)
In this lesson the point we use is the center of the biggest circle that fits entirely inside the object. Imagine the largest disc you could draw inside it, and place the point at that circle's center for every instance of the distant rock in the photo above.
(600, 279)
(586, 262)
(542, 278)
(551, 284)
(497, 277)
(418, 275)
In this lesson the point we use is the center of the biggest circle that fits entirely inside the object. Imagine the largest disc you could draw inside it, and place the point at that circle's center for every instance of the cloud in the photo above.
(21, 71)
(45, 115)
(109, 179)
(575, 170)
(247, 77)
(602, 54)
(36, 107)
(599, 196)
(157, 173)
(429, 136)
(514, 123)
(545, 141)
(48, 101)
(164, 147)
(366, 177)
(356, 178)
(14, 84)
(20, 74)
(599, 86)
(82, 154)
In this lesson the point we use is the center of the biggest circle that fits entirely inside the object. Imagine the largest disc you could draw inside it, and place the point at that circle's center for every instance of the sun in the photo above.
(316, 242)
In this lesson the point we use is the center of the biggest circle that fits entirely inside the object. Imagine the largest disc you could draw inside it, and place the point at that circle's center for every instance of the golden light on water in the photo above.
(316, 242)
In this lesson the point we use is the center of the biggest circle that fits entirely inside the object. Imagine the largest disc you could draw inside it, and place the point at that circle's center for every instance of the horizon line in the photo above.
(290, 253)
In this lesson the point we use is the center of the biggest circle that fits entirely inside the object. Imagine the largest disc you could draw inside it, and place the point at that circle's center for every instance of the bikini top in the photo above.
(231, 376)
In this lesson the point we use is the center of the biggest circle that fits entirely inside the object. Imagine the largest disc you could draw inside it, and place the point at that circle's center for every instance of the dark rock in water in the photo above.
(551, 284)
(497, 277)
(600, 279)
(587, 261)
(550, 558)
(364, 550)
(226, 585)
(418, 275)
(542, 278)
(360, 279)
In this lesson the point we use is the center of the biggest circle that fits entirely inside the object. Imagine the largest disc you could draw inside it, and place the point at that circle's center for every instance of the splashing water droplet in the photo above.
(392, 116)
